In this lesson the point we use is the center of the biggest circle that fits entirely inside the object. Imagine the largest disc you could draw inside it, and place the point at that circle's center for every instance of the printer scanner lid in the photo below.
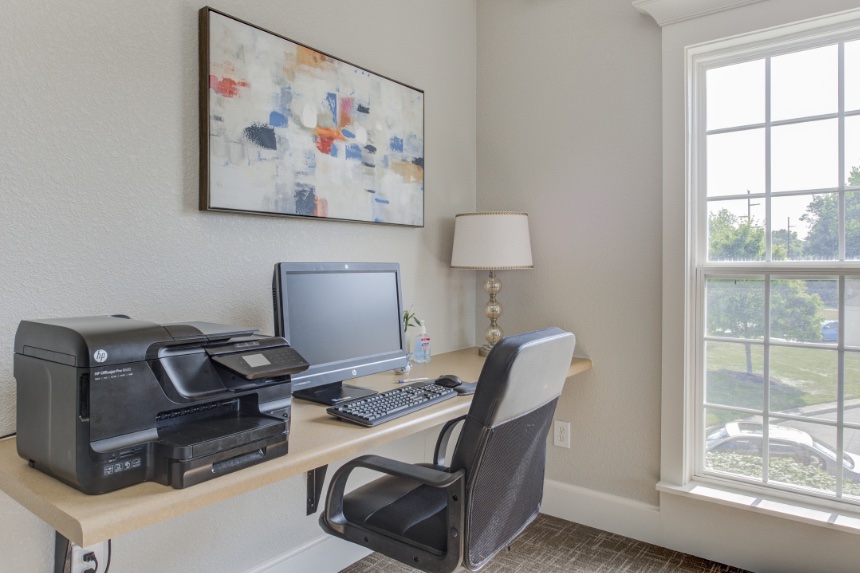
(91, 341)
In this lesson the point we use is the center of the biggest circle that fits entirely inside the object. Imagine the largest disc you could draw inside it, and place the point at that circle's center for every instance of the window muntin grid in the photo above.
(744, 173)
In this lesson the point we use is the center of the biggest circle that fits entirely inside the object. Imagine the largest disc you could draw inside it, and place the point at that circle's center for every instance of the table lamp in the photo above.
(492, 241)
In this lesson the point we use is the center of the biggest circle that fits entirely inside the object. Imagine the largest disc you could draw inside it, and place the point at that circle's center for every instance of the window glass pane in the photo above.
(733, 443)
(736, 230)
(852, 151)
(735, 95)
(805, 156)
(736, 163)
(735, 308)
(852, 81)
(852, 225)
(851, 457)
(852, 312)
(852, 387)
(803, 381)
(804, 227)
(796, 308)
(803, 455)
(804, 83)
(735, 374)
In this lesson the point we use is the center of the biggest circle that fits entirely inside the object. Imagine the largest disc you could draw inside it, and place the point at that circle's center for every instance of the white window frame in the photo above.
(698, 60)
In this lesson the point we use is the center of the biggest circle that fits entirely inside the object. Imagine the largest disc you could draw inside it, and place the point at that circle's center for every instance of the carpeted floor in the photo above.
(552, 545)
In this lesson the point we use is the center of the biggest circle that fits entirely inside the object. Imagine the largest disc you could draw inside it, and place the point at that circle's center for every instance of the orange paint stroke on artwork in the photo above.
(313, 59)
(226, 87)
(320, 207)
(410, 172)
(325, 138)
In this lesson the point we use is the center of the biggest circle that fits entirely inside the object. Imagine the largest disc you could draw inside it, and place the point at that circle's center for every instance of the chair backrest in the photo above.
(502, 444)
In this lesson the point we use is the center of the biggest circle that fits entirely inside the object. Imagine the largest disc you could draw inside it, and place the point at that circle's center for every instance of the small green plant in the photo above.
(409, 319)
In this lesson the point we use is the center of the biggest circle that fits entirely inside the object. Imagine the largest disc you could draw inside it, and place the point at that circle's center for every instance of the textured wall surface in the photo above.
(99, 181)
(569, 131)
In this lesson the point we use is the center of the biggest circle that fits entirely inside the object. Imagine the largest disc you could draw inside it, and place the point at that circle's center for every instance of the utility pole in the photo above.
(749, 208)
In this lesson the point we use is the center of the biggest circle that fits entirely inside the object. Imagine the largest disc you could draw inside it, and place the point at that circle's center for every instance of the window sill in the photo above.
(774, 506)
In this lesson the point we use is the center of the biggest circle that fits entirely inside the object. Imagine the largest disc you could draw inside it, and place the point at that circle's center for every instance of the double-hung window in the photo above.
(775, 267)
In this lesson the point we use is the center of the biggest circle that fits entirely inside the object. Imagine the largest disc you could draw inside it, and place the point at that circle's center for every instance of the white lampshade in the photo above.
(493, 240)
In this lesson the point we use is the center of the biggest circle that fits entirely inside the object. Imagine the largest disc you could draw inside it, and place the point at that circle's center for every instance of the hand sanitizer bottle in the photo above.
(421, 348)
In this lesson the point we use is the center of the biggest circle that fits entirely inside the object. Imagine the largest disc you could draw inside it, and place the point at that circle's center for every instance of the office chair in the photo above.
(434, 517)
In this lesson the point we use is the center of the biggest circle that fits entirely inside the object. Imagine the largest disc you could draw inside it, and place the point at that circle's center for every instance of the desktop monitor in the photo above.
(345, 319)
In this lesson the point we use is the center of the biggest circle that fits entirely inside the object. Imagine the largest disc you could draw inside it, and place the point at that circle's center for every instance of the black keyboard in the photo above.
(391, 404)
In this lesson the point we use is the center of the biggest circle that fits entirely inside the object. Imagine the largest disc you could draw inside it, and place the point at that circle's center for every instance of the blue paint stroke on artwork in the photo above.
(333, 151)
(261, 135)
(381, 200)
(331, 100)
(370, 148)
(370, 190)
(305, 195)
(277, 119)
(286, 98)
(347, 133)
(396, 144)
(353, 151)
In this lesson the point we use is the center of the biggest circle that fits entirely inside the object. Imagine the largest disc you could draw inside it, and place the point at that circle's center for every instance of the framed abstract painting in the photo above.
(288, 130)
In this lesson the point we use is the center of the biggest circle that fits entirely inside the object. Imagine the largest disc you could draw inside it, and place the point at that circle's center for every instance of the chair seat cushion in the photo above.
(401, 508)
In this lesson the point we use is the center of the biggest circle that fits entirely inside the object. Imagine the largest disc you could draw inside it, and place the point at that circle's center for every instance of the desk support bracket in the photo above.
(316, 478)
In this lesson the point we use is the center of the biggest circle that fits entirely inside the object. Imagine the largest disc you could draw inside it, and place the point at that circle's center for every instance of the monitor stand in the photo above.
(331, 394)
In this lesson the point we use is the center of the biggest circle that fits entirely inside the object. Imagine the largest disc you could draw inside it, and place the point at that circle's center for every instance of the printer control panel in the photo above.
(278, 361)
(253, 360)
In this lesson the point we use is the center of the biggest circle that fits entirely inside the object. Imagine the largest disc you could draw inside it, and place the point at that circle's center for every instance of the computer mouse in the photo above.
(448, 381)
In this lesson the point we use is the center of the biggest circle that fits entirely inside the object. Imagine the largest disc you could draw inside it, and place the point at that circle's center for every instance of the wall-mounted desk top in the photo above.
(316, 439)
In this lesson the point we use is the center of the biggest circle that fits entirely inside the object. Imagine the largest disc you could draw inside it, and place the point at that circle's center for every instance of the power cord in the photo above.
(91, 558)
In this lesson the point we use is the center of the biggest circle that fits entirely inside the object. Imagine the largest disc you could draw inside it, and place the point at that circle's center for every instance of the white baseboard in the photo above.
(325, 554)
(602, 511)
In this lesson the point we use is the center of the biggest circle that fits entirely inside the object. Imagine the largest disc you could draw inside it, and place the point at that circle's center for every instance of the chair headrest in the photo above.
(522, 372)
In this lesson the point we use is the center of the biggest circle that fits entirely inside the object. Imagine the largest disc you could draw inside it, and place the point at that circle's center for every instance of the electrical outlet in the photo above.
(561, 434)
(93, 559)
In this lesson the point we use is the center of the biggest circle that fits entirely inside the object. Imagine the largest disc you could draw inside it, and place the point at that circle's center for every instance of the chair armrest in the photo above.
(442, 441)
(333, 513)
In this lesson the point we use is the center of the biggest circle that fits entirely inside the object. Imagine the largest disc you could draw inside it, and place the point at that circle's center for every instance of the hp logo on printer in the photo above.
(100, 355)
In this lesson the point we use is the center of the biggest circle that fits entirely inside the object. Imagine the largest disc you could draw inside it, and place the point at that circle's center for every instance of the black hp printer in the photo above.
(105, 402)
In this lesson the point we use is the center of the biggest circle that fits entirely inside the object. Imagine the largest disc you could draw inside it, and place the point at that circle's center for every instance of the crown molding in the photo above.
(667, 12)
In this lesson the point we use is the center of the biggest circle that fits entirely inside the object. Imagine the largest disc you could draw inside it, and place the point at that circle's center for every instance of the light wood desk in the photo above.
(316, 439)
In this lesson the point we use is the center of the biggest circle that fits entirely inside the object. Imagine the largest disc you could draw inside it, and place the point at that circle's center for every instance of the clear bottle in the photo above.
(421, 347)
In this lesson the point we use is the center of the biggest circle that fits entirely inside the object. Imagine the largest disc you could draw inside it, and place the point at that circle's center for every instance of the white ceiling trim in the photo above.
(667, 12)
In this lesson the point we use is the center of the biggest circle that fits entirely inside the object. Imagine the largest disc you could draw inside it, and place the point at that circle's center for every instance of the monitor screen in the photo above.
(345, 319)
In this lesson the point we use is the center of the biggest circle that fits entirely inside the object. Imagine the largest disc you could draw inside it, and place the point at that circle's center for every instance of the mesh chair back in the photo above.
(502, 445)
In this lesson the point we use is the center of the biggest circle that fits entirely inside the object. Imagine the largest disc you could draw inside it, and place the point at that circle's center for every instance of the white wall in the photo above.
(99, 184)
(569, 131)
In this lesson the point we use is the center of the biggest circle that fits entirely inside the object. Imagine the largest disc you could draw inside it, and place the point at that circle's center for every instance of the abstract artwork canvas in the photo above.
(288, 130)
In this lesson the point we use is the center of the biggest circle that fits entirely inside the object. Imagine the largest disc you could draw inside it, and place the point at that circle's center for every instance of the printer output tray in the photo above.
(188, 454)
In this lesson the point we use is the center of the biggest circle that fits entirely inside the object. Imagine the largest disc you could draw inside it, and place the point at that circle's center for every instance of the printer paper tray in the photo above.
(184, 473)
(212, 435)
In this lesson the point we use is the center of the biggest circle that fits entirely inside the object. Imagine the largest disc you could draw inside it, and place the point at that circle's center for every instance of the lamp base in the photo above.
(484, 350)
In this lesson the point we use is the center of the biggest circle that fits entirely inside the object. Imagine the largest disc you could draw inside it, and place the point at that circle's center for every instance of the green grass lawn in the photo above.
(799, 377)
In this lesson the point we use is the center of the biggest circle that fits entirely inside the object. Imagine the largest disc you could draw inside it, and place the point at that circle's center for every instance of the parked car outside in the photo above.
(746, 438)
(829, 330)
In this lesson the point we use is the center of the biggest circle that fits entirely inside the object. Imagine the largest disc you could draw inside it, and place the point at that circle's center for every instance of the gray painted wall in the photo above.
(99, 180)
(569, 131)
